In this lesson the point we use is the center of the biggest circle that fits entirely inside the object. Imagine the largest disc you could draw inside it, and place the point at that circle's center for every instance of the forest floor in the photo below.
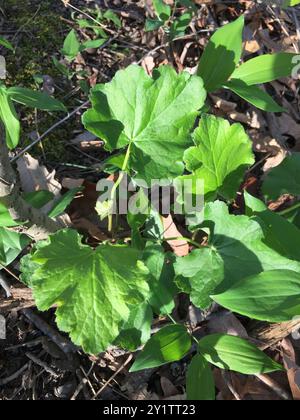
(36, 361)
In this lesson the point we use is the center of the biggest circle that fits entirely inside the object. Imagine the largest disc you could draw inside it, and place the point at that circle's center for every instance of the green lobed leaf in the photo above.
(236, 249)
(38, 199)
(151, 116)
(221, 154)
(254, 95)
(221, 55)
(94, 290)
(35, 99)
(272, 296)
(283, 179)
(200, 384)
(10, 119)
(265, 68)
(236, 354)
(170, 344)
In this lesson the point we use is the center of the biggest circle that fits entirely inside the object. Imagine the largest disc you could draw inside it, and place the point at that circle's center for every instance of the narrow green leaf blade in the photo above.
(254, 95)
(170, 344)
(200, 385)
(35, 99)
(61, 205)
(38, 199)
(265, 68)
(71, 45)
(221, 55)
(236, 354)
(5, 43)
(272, 296)
(10, 119)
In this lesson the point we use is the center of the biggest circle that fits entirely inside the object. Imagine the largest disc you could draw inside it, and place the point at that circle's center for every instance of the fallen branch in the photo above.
(21, 299)
(270, 334)
(41, 226)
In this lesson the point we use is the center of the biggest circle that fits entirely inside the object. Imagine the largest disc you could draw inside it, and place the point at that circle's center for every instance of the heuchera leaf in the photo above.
(153, 117)
(200, 385)
(95, 290)
(10, 119)
(170, 344)
(234, 353)
(272, 296)
(283, 179)
(236, 249)
(221, 55)
(221, 154)
(265, 68)
(254, 95)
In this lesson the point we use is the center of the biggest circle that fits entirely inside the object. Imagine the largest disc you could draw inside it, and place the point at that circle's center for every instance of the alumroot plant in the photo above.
(249, 264)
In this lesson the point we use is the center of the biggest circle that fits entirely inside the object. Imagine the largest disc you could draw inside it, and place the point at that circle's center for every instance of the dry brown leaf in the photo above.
(168, 388)
(179, 246)
(36, 177)
(226, 323)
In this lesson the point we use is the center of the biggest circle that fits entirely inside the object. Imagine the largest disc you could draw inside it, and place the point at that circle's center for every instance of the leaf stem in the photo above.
(117, 184)
(290, 209)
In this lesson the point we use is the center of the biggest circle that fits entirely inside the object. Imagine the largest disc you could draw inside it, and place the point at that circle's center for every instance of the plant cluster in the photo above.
(249, 264)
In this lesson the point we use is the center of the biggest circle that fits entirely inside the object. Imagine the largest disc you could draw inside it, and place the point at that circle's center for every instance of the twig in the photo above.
(267, 380)
(67, 4)
(53, 127)
(63, 343)
(42, 364)
(14, 376)
(113, 377)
